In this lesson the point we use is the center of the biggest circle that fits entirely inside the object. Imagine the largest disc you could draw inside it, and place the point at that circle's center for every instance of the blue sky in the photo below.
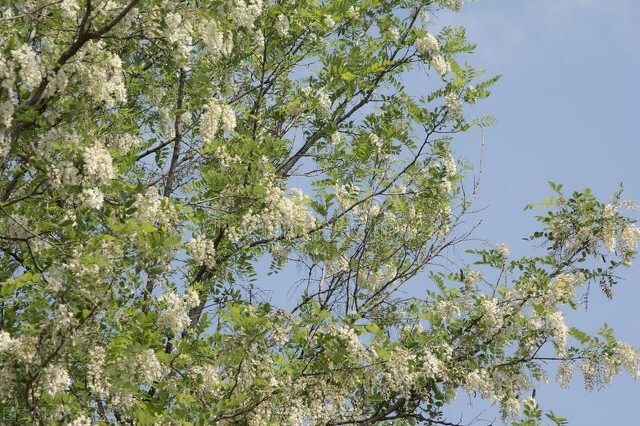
(566, 111)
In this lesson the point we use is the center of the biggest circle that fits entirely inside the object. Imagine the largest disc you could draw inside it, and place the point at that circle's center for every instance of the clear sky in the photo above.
(567, 111)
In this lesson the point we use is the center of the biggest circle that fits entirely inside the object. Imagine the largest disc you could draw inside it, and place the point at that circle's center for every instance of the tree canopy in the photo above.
(164, 163)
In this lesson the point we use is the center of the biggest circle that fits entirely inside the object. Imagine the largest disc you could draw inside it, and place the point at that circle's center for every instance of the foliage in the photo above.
(149, 154)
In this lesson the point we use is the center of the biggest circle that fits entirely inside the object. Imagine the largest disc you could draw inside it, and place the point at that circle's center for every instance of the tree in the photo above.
(149, 153)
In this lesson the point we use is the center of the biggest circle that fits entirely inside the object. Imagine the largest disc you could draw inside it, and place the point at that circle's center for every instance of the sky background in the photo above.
(567, 111)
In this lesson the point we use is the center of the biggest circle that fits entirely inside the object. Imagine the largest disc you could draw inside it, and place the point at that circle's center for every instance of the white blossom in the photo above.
(455, 5)
(178, 32)
(96, 375)
(246, 12)
(93, 198)
(503, 250)
(454, 106)
(427, 44)
(203, 251)
(98, 164)
(174, 314)
(5, 341)
(449, 164)
(217, 116)
(282, 25)
(29, 65)
(218, 43)
(440, 64)
(69, 8)
(81, 420)
(328, 21)
(55, 379)
(393, 34)
(146, 366)
(282, 215)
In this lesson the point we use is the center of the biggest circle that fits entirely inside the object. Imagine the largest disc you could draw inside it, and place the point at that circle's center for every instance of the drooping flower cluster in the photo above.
(218, 116)
(98, 164)
(174, 315)
(427, 44)
(245, 12)
(282, 215)
(151, 206)
(203, 251)
(29, 64)
(55, 379)
(178, 32)
(145, 365)
(455, 5)
(219, 44)
(440, 64)
(282, 25)
(454, 107)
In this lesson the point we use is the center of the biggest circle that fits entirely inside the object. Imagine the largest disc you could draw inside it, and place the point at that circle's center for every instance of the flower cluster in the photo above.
(282, 25)
(245, 12)
(455, 5)
(98, 164)
(29, 64)
(174, 315)
(217, 116)
(282, 215)
(440, 64)
(219, 44)
(427, 44)
(146, 366)
(454, 107)
(55, 379)
(320, 97)
(178, 32)
(203, 251)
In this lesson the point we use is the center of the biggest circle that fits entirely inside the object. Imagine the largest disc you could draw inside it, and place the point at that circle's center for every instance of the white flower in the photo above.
(285, 216)
(98, 164)
(449, 164)
(246, 12)
(328, 21)
(335, 138)
(96, 378)
(353, 12)
(455, 5)
(282, 25)
(55, 379)
(29, 65)
(147, 366)
(82, 420)
(217, 116)
(321, 97)
(453, 106)
(375, 141)
(393, 33)
(440, 64)
(503, 250)
(491, 315)
(93, 198)
(511, 408)
(218, 43)
(203, 251)
(148, 204)
(424, 17)
(565, 371)
(5, 341)
(427, 44)
(174, 314)
(69, 8)
(559, 331)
